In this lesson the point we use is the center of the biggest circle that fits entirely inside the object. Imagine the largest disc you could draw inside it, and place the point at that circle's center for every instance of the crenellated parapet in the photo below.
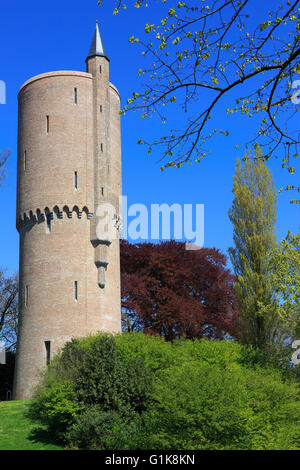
(46, 214)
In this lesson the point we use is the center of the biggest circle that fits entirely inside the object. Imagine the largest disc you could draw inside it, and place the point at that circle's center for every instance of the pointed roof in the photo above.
(97, 46)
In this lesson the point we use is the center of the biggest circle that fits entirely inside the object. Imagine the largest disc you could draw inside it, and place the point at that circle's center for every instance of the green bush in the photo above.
(89, 371)
(55, 405)
(106, 430)
(202, 407)
(133, 391)
(104, 378)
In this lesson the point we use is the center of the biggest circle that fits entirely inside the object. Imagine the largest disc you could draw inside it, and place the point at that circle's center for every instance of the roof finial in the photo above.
(97, 46)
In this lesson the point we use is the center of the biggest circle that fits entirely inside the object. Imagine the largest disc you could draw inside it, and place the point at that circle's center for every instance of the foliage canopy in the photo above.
(173, 292)
(253, 215)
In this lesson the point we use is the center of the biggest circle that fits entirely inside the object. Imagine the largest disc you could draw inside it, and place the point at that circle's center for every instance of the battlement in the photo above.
(39, 216)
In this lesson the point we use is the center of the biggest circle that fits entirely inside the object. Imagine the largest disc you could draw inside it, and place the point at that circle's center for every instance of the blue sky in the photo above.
(39, 37)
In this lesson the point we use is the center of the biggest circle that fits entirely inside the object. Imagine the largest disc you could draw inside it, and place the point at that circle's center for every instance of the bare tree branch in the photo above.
(3, 159)
(8, 309)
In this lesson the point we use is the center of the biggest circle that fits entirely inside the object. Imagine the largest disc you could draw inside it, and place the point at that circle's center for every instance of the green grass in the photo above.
(18, 432)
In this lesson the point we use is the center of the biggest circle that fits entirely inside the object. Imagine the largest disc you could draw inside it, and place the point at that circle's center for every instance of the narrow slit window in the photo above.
(47, 124)
(100, 69)
(25, 162)
(48, 220)
(26, 296)
(76, 290)
(100, 108)
(101, 147)
(102, 191)
(75, 180)
(47, 347)
(75, 95)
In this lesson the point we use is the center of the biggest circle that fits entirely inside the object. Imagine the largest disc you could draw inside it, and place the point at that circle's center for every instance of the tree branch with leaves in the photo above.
(203, 54)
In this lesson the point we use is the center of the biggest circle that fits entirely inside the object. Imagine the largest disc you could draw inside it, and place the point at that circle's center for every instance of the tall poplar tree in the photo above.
(253, 214)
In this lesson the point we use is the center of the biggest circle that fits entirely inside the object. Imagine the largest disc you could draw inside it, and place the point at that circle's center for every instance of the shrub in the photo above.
(200, 406)
(133, 391)
(106, 430)
(55, 405)
(89, 371)
(105, 379)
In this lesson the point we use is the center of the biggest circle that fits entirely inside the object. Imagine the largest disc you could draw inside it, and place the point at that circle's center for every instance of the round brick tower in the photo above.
(69, 163)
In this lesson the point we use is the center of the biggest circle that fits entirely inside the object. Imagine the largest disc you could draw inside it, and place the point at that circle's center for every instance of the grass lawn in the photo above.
(17, 432)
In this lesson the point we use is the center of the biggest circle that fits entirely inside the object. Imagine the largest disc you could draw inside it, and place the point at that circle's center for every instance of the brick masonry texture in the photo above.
(57, 221)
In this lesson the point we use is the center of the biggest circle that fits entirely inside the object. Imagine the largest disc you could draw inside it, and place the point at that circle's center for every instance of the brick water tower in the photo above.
(69, 163)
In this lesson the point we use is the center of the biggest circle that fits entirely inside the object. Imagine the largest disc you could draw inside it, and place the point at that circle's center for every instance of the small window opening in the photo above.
(25, 162)
(101, 147)
(75, 180)
(100, 108)
(47, 346)
(100, 69)
(75, 95)
(47, 124)
(26, 296)
(102, 191)
(76, 290)
(48, 220)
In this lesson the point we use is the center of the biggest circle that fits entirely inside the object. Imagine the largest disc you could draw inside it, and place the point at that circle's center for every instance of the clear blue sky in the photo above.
(38, 37)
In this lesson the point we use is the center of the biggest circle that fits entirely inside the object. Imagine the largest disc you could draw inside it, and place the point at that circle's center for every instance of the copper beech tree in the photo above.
(173, 292)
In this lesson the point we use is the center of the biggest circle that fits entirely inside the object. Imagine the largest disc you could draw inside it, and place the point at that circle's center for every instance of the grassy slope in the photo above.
(17, 432)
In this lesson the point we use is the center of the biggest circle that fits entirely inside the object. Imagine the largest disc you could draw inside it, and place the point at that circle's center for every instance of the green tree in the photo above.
(198, 56)
(285, 271)
(253, 214)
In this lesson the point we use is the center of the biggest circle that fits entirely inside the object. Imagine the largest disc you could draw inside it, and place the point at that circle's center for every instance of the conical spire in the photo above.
(97, 46)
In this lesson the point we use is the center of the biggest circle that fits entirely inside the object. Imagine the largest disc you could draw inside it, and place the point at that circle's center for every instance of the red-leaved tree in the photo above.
(171, 291)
